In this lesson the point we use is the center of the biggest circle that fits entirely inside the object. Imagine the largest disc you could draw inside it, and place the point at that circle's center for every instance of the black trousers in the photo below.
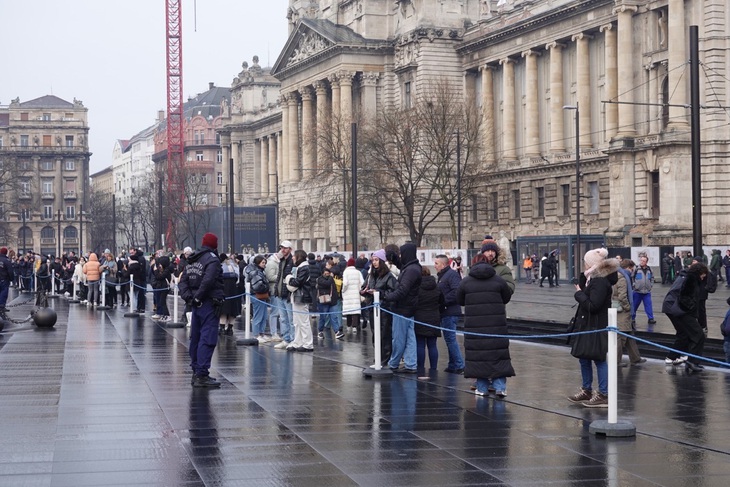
(690, 337)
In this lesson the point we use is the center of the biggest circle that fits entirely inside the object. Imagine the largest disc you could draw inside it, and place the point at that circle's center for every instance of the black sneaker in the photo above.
(652, 322)
(204, 381)
(454, 371)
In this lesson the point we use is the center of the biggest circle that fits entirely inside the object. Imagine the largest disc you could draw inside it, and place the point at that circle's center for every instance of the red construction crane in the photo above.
(175, 138)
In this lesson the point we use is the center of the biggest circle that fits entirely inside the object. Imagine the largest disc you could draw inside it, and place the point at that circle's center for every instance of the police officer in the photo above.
(6, 276)
(201, 286)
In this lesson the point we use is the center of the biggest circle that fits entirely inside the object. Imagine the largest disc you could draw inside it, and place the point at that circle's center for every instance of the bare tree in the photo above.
(100, 221)
(16, 196)
(415, 149)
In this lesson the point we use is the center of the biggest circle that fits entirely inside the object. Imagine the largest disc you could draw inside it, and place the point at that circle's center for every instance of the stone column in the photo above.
(532, 139)
(272, 166)
(293, 137)
(335, 106)
(345, 78)
(236, 155)
(264, 168)
(654, 111)
(625, 34)
(508, 109)
(283, 146)
(677, 58)
(488, 113)
(308, 132)
(611, 77)
(280, 156)
(583, 84)
(557, 143)
(369, 85)
(322, 119)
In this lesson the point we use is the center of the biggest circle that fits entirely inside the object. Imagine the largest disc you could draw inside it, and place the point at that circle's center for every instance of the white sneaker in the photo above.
(155, 316)
(276, 338)
(282, 345)
(262, 339)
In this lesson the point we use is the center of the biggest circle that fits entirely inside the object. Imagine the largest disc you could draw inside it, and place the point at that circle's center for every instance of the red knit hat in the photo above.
(4, 251)
(350, 262)
(210, 240)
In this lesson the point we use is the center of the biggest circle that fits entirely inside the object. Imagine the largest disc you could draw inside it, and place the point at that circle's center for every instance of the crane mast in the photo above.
(175, 139)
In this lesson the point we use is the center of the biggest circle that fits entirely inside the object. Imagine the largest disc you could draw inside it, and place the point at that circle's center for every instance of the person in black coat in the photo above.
(403, 301)
(690, 337)
(428, 312)
(593, 295)
(484, 295)
(546, 271)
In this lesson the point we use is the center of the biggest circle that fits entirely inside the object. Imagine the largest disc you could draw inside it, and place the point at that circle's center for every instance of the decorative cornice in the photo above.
(554, 45)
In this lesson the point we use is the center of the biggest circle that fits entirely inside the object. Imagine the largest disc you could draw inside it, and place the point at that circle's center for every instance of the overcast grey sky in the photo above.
(111, 55)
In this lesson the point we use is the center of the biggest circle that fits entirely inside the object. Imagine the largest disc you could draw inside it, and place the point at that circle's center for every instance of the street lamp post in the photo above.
(59, 234)
(22, 213)
(81, 230)
(577, 256)
(458, 189)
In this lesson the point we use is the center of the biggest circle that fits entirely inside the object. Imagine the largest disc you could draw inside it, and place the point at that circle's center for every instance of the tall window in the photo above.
(654, 182)
(220, 178)
(474, 209)
(25, 213)
(70, 213)
(407, 94)
(220, 199)
(198, 155)
(48, 212)
(199, 137)
(47, 165)
(565, 199)
(219, 156)
(46, 117)
(70, 232)
(593, 197)
(70, 165)
(203, 178)
(493, 206)
(47, 186)
(516, 213)
(47, 232)
(23, 141)
(217, 139)
(25, 187)
(69, 141)
(69, 185)
(540, 202)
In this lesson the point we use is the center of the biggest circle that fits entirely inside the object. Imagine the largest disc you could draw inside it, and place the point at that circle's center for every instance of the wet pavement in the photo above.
(105, 400)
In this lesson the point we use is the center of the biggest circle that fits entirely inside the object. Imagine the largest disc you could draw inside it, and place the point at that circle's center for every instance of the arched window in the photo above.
(25, 231)
(48, 232)
(70, 232)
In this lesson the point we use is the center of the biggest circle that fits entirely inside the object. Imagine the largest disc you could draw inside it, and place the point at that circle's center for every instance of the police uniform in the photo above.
(6, 276)
(201, 286)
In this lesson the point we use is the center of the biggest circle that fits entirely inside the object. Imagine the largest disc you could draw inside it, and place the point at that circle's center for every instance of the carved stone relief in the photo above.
(310, 43)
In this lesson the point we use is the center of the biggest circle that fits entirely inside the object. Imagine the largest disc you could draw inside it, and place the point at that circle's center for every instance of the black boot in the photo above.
(229, 330)
(221, 329)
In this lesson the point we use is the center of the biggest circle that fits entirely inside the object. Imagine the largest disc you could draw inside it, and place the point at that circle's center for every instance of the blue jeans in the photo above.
(586, 370)
(498, 383)
(282, 308)
(203, 337)
(456, 361)
(642, 298)
(726, 347)
(259, 317)
(404, 343)
(324, 311)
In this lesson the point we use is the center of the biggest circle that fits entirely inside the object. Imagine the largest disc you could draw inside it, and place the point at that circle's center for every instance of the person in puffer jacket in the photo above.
(428, 312)
(93, 274)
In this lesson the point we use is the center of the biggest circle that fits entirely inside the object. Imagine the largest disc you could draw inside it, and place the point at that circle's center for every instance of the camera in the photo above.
(574, 281)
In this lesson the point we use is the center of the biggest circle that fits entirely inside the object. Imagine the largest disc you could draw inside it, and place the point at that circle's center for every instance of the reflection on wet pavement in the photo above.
(106, 400)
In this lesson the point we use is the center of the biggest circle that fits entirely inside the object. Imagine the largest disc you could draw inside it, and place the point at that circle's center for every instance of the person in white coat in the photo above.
(352, 282)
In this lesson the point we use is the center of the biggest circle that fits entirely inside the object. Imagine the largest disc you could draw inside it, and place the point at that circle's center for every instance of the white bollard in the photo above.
(102, 290)
(175, 304)
(74, 299)
(612, 426)
(376, 329)
(377, 370)
(612, 368)
(35, 282)
(132, 301)
(53, 281)
(247, 310)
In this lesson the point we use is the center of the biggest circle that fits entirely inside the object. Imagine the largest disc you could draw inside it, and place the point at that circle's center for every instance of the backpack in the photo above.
(670, 306)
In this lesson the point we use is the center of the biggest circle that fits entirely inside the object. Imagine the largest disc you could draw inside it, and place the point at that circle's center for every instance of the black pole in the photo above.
(577, 192)
(22, 213)
(114, 224)
(231, 216)
(694, 76)
(276, 209)
(81, 230)
(458, 189)
(354, 189)
(344, 209)
(59, 234)
(159, 213)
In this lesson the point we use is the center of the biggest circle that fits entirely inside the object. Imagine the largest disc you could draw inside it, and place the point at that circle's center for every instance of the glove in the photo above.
(217, 307)
(197, 303)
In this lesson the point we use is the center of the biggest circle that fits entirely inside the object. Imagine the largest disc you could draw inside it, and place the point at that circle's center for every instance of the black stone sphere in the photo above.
(45, 318)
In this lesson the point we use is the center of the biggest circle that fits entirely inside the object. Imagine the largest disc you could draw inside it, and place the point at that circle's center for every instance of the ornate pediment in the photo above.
(310, 43)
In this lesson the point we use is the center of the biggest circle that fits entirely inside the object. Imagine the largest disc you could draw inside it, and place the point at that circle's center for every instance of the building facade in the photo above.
(45, 170)
(531, 67)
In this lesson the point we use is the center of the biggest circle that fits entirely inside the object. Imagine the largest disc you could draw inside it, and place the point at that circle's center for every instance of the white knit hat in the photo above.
(593, 258)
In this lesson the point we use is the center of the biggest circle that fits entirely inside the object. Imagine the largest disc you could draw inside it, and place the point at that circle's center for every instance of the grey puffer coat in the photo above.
(484, 295)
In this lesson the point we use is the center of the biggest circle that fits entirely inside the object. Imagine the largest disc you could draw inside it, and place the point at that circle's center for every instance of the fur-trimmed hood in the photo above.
(605, 268)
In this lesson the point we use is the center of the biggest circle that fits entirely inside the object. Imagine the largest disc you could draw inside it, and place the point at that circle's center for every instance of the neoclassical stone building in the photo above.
(527, 65)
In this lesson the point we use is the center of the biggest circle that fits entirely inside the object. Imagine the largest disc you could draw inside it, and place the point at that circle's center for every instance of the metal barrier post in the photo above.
(132, 301)
(611, 426)
(247, 340)
(102, 290)
(74, 299)
(377, 370)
